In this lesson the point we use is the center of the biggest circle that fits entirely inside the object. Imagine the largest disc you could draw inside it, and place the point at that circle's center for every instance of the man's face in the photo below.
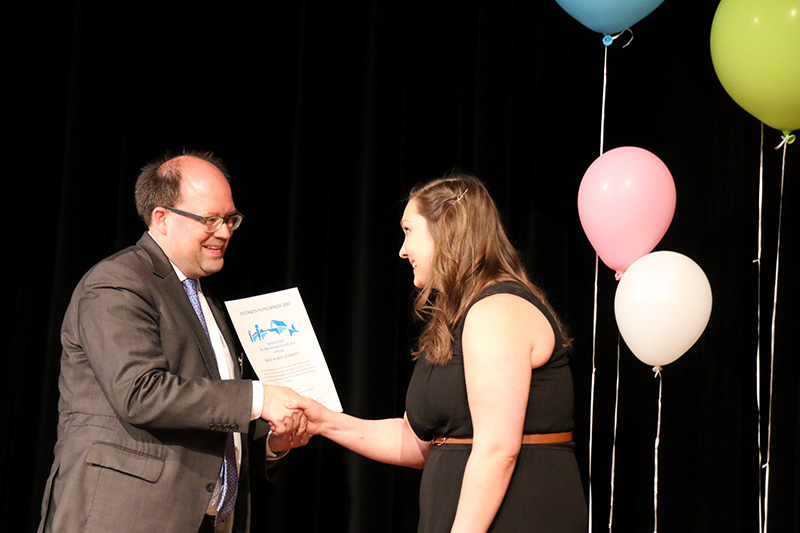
(204, 192)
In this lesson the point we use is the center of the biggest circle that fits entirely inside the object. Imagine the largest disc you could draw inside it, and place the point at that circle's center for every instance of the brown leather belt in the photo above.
(537, 438)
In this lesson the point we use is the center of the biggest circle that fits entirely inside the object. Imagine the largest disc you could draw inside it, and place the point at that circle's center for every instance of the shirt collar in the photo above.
(181, 275)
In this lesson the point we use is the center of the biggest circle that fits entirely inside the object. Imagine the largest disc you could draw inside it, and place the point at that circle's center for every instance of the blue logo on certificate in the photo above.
(275, 326)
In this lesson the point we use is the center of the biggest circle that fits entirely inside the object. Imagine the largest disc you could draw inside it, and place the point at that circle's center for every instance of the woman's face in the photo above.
(418, 244)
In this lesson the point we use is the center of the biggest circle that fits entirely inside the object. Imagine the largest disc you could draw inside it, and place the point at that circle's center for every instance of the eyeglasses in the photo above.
(212, 224)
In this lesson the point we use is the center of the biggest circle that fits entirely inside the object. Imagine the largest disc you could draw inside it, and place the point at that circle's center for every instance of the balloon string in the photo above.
(594, 372)
(629, 40)
(614, 441)
(758, 331)
(596, 276)
(603, 101)
(657, 370)
(772, 339)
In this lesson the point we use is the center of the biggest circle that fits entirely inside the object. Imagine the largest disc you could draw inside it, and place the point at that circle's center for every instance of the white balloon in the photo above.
(662, 305)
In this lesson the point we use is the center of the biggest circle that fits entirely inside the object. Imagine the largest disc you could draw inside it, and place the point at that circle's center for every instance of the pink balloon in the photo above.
(626, 202)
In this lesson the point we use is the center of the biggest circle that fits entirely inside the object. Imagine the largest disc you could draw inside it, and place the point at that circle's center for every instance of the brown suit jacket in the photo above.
(143, 414)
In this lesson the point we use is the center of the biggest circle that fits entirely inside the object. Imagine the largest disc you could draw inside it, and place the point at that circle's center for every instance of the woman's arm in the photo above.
(390, 440)
(504, 338)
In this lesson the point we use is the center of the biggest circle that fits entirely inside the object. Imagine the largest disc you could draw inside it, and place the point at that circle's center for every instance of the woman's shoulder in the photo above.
(506, 300)
(511, 324)
(510, 294)
(505, 305)
(511, 287)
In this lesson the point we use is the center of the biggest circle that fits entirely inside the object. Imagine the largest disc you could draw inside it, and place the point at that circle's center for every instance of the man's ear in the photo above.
(158, 221)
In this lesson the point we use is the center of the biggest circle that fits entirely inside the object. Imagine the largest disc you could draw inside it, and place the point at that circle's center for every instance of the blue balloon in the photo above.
(609, 16)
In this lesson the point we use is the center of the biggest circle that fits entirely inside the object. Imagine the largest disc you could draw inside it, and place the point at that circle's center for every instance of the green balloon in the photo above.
(755, 48)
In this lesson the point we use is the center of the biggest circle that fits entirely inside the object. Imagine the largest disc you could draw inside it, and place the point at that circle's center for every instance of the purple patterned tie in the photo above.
(229, 472)
(230, 476)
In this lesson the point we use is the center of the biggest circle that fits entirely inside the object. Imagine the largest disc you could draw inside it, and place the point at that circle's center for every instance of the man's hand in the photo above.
(282, 420)
(287, 441)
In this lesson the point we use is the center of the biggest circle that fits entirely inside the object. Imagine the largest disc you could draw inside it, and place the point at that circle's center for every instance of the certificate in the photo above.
(281, 345)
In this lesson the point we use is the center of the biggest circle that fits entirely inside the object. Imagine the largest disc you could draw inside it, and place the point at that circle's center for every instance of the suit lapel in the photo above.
(174, 292)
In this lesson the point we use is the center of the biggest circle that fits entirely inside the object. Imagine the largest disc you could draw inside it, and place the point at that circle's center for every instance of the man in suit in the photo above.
(152, 406)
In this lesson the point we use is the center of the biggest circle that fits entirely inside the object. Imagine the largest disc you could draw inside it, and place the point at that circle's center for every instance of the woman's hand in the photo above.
(315, 413)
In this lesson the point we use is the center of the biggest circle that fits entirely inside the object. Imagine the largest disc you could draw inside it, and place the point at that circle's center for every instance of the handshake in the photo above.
(294, 419)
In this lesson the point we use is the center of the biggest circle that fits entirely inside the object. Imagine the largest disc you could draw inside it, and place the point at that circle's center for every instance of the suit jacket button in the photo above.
(210, 486)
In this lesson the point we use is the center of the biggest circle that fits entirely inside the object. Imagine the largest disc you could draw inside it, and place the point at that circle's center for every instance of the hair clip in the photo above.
(460, 196)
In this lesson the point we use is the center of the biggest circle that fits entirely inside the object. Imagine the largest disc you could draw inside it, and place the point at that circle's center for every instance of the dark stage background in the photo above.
(327, 113)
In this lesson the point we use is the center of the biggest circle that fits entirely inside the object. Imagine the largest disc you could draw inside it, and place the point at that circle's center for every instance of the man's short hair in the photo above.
(159, 183)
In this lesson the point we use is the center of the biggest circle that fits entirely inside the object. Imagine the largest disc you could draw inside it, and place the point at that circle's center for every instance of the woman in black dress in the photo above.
(489, 406)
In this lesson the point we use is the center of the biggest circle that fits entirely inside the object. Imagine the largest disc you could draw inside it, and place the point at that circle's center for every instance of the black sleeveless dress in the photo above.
(545, 493)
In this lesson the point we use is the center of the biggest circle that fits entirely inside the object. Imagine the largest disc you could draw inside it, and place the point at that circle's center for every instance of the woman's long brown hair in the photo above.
(472, 251)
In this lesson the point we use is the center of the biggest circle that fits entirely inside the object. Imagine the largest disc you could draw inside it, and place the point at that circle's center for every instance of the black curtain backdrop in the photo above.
(327, 113)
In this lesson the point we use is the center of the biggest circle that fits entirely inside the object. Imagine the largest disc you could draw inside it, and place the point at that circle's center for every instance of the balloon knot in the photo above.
(608, 40)
(787, 138)
(618, 275)
(657, 371)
